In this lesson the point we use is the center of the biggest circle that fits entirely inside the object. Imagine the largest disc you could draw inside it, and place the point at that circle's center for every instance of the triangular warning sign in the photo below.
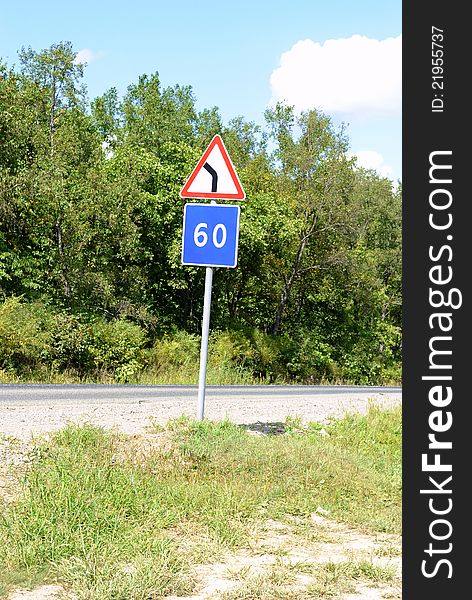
(214, 176)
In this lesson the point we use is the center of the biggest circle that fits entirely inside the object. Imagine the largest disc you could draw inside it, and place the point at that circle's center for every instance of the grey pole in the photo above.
(204, 346)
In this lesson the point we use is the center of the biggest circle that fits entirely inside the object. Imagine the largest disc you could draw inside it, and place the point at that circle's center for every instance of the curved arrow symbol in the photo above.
(214, 176)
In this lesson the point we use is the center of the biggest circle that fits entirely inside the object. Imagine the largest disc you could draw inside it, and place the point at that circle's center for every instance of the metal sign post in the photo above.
(204, 345)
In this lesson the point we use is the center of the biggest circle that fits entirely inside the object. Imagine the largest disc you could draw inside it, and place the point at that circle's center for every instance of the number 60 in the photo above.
(200, 236)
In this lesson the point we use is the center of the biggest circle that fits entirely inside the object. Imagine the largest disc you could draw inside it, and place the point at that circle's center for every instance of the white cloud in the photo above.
(356, 76)
(371, 159)
(84, 56)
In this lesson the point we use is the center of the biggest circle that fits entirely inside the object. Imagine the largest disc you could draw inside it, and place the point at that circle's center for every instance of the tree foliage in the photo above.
(91, 224)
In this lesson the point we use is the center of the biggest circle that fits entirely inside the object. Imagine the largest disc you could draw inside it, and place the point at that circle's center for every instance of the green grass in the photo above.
(333, 579)
(110, 526)
(217, 374)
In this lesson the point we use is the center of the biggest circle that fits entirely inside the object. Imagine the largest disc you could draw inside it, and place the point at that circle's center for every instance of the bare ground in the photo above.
(279, 546)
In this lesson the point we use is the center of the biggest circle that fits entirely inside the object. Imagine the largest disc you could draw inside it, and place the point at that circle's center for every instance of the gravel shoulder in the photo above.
(23, 420)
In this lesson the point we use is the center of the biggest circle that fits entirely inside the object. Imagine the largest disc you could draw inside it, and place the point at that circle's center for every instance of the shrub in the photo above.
(71, 342)
(303, 358)
(247, 349)
(178, 351)
(307, 359)
(35, 335)
(117, 346)
(24, 333)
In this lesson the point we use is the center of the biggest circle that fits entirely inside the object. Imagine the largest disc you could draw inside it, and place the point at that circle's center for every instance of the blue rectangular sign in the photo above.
(210, 235)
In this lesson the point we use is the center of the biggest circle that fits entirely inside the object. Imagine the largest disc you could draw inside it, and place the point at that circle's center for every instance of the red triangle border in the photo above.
(239, 195)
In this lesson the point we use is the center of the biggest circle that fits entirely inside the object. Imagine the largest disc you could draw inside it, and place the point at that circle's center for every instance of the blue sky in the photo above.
(239, 56)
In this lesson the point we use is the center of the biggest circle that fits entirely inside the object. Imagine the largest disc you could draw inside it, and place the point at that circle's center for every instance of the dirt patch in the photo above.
(44, 592)
(379, 592)
(385, 548)
(280, 550)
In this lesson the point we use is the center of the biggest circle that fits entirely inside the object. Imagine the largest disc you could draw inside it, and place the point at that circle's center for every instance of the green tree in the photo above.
(313, 181)
(152, 116)
(106, 115)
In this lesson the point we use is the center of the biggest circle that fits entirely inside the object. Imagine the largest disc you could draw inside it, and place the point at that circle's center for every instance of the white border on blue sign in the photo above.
(189, 264)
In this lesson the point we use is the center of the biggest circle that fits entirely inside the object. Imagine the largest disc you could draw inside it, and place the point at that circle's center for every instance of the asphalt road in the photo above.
(57, 393)
(35, 409)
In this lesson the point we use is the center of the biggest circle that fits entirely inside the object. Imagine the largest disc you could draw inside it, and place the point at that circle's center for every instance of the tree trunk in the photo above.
(285, 296)
(60, 249)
